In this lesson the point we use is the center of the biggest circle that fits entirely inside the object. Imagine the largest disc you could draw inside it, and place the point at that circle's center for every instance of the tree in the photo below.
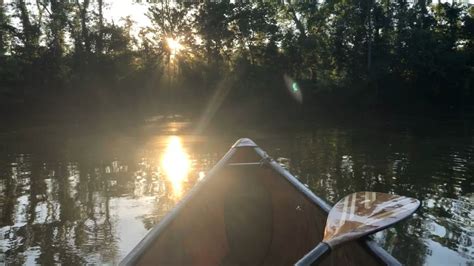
(5, 32)
(211, 23)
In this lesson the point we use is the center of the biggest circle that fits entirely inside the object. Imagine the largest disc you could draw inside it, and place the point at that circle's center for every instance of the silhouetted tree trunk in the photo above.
(3, 31)
(369, 39)
(30, 33)
(58, 23)
(299, 24)
(100, 39)
(84, 29)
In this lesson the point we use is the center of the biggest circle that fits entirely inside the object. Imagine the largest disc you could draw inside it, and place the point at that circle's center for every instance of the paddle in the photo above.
(357, 215)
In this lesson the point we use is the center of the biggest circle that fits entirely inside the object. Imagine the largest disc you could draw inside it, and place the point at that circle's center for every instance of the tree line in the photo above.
(67, 56)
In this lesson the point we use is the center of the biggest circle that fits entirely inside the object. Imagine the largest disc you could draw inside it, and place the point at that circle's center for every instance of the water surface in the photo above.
(76, 199)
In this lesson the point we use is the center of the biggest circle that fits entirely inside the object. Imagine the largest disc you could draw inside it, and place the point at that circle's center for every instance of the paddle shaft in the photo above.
(314, 255)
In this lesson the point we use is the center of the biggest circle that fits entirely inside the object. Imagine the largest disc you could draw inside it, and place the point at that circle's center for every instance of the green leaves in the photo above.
(355, 50)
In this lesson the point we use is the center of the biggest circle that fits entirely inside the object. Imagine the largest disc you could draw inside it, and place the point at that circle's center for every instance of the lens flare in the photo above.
(176, 164)
(293, 88)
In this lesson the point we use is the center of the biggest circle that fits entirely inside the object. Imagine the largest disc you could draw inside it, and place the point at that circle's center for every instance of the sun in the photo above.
(174, 45)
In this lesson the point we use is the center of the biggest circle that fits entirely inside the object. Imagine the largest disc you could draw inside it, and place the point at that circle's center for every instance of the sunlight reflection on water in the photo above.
(176, 164)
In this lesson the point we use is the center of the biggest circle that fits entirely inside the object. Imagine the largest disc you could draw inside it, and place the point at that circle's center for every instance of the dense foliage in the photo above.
(64, 55)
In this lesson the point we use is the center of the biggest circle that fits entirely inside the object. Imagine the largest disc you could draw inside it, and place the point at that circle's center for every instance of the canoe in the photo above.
(247, 211)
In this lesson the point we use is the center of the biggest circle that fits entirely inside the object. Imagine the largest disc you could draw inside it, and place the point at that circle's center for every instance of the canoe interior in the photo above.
(246, 215)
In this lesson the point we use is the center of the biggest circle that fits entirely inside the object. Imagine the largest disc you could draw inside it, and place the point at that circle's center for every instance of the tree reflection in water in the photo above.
(335, 163)
(55, 212)
(94, 202)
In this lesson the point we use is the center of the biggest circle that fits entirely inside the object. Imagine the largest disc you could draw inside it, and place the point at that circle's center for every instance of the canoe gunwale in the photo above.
(135, 255)
(367, 242)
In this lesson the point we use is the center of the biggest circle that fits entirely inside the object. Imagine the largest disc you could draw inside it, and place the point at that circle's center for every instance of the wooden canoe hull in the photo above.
(247, 213)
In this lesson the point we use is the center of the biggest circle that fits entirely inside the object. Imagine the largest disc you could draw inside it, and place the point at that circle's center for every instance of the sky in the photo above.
(117, 9)
(122, 8)
(137, 11)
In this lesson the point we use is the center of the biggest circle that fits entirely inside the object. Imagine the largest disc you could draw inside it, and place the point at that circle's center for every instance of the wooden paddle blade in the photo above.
(364, 213)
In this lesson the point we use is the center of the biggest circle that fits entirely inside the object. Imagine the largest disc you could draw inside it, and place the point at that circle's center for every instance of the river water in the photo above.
(76, 198)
